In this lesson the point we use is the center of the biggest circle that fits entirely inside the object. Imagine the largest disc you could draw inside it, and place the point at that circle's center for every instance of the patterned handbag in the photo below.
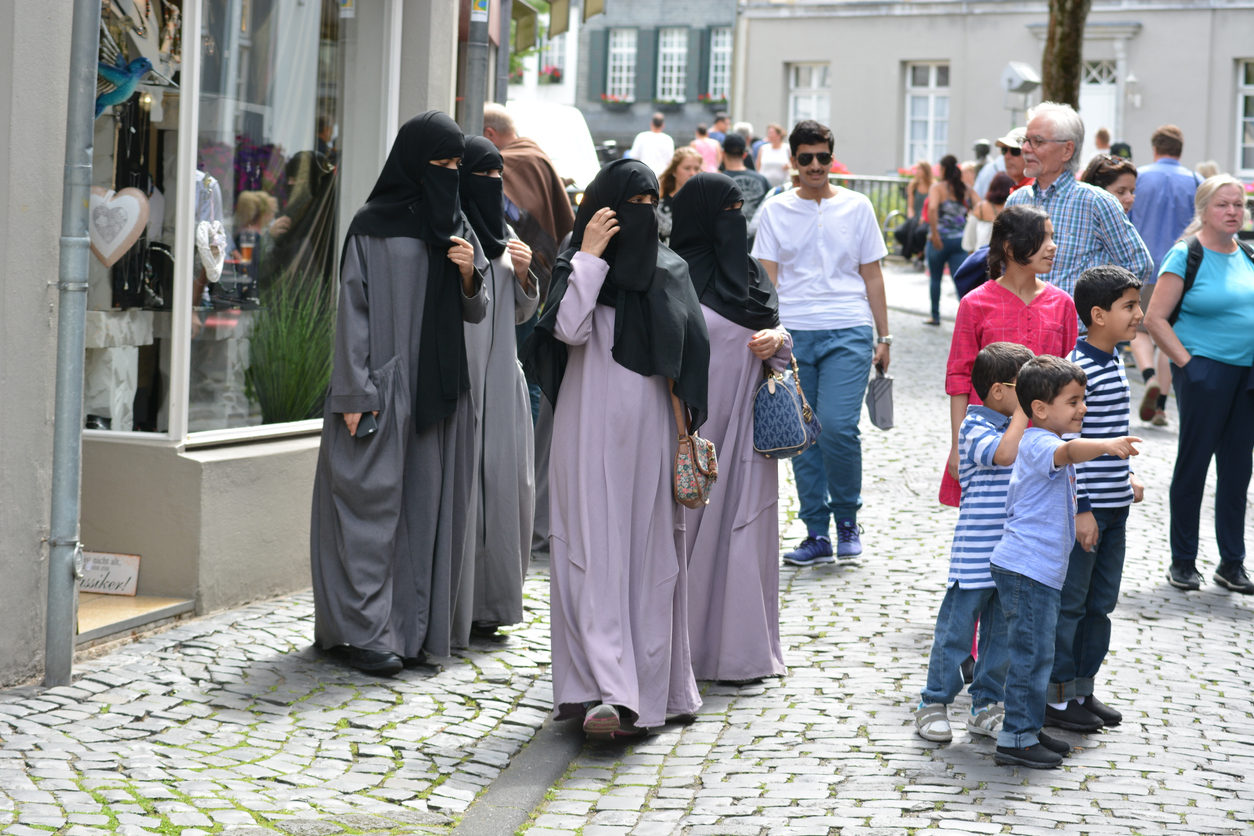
(783, 423)
(696, 465)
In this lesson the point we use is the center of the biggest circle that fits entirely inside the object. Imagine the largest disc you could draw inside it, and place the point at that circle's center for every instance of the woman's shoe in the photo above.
(601, 719)
(376, 662)
(931, 322)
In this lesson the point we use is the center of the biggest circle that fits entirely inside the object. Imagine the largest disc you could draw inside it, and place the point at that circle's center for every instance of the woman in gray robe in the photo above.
(733, 543)
(389, 508)
(498, 544)
(620, 323)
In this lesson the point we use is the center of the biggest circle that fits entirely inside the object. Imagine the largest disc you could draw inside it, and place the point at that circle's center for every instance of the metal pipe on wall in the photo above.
(65, 552)
(504, 46)
(476, 69)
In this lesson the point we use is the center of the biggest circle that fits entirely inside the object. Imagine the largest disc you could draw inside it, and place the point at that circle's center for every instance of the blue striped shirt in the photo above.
(1103, 482)
(1090, 229)
(982, 512)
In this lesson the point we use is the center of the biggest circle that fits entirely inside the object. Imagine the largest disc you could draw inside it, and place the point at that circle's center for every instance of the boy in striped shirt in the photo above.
(988, 441)
(1107, 299)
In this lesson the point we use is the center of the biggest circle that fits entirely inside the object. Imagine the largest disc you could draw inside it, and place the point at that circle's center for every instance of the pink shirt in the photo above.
(708, 149)
(991, 313)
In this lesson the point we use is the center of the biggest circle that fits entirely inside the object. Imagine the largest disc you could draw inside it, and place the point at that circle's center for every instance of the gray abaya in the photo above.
(389, 513)
(498, 546)
(617, 567)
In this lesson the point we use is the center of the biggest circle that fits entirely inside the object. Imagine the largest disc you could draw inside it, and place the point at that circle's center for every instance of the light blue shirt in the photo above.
(1164, 205)
(1040, 512)
(1217, 317)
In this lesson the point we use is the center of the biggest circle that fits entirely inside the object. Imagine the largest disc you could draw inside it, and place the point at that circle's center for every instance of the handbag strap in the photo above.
(806, 412)
(681, 426)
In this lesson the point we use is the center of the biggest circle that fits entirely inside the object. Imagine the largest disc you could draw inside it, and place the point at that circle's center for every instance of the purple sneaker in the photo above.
(848, 543)
(811, 552)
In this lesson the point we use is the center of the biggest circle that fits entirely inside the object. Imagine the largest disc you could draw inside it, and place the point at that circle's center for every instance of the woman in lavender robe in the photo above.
(621, 323)
(498, 544)
(733, 543)
(389, 508)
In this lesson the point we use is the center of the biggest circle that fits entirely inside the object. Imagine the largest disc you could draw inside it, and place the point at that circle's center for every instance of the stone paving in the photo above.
(233, 724)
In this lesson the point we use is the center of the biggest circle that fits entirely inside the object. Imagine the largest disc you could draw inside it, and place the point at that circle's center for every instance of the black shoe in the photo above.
(1074, 717)
(1033, 757)
(1108, 715)
(1232, 576)
(968, 670)
(377, 662)
(1053, 744)
(1185, 576)
(415, 661)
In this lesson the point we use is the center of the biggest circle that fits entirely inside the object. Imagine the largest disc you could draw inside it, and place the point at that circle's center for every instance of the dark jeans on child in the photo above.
(1031, 610)
(951, 644)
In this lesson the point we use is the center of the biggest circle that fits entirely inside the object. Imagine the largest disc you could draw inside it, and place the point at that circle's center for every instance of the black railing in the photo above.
(887, 195)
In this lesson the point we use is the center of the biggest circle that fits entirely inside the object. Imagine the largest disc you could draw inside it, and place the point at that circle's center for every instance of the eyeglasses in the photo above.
(804, 160)
(1037, 141)
(1014, 152)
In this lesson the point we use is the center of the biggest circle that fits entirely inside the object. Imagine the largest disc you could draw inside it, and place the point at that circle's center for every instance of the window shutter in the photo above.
(698, 79)
(598, 62)
(646, 64)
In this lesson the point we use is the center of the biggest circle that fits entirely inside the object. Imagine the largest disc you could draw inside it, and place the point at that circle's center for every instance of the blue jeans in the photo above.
(951, 252)
(1031, 610)
(834, 367)
(951, 645)
(1089, 594)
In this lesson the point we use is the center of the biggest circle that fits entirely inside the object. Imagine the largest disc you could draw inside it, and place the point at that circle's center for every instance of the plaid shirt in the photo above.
(1090, 229)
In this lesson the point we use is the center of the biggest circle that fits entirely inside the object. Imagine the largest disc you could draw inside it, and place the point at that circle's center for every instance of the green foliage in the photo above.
(291, 348)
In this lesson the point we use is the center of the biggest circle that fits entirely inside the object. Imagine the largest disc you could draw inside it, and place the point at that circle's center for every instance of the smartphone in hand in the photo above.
(367, 426)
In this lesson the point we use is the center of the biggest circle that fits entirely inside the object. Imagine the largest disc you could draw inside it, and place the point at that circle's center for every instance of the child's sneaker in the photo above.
(987, 721)
(1033, 757)
(811, 552)
(932, 722)
(848, 543)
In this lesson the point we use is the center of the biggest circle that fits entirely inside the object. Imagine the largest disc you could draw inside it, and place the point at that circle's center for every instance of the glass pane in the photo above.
(918, 130)
(940, 107)
(1249, 72)
(820, 76)
(918, 107)
(919, 75)
(267, 188)
(1247, 158)
(1248, 106)
(942, 75)
(822, 110)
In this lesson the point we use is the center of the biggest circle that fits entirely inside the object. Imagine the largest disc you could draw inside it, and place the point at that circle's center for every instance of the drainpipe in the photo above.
(503, 48)
(476, 68)
(65, 552)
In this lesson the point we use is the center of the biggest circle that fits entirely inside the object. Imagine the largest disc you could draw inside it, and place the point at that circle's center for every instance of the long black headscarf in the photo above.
(414, 199)
(482, 196)
(712, 239)
(658, 325)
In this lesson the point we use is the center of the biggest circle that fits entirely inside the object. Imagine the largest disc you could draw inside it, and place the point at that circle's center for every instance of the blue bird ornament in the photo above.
(118, 81)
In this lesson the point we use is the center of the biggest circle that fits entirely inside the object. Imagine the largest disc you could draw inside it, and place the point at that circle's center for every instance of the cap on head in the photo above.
(1014, 139)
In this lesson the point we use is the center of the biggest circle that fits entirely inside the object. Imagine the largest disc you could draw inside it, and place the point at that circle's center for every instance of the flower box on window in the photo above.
(550, 75)
(615, 103)
(713, 102)
(668, 105)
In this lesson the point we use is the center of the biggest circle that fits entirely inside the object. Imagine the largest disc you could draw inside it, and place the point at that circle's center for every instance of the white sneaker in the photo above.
(932, 722)
(987, 721)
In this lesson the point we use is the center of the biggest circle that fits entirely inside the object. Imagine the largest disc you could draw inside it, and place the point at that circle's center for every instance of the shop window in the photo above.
(720, 62)
(231, 330)
(1245, 118)
(620, 79)
(927, 112)
(809, 93)
(672, 64)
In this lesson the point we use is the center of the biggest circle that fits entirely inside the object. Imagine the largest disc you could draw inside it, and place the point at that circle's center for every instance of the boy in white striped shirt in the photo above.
(1107, 299)
(988, 441)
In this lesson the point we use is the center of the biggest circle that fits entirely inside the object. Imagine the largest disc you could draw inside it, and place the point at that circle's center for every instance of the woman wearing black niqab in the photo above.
(498, 546)
(390, 508)
(732, 543)
(620, 323)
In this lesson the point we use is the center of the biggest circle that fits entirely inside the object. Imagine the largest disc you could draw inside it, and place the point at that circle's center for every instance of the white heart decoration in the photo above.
(115, 221)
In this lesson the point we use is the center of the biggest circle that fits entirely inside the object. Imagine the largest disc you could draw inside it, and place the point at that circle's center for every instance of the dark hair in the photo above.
(1018, 232)
(1105, 169)
(951, 173)
(999, 188)
(997, 363)
(658, 120)
(1168, 141)
(1101, 287)
(1043, 377)
(702, 129)
(809, 132)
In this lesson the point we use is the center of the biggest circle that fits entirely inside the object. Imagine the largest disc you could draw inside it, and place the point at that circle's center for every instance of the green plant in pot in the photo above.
(291, 347)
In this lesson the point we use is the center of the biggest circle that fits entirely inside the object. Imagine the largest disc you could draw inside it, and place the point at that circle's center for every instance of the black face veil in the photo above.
(482, 195)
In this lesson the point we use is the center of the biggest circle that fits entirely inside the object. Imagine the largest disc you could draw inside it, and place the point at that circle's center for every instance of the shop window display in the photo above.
(264, 194)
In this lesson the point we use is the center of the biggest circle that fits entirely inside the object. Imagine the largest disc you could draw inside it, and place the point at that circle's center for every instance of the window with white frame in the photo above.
(672, 63)
(927, 112)
(720, 62)
(552, 59)
(809, 94)
(1245, 118)
(620, 76)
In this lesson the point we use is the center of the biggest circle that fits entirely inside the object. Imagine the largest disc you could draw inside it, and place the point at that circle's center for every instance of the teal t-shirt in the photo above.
(1217, 317)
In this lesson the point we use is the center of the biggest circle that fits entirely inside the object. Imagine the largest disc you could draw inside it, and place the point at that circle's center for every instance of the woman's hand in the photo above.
(352, 419)
(463, 255)
(597, 234)
(952, 464)
(935, 238)
(520, 257)
(765, 344)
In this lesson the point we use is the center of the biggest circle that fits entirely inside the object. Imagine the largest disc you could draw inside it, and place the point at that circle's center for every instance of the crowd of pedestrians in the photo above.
(661, 303)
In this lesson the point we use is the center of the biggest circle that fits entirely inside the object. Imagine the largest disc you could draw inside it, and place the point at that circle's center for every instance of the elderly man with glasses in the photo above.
(1090, 226)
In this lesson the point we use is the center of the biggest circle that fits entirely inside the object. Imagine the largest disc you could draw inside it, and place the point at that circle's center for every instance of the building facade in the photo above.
(902, 81)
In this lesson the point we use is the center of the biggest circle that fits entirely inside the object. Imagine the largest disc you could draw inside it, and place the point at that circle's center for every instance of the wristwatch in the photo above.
(885, 340)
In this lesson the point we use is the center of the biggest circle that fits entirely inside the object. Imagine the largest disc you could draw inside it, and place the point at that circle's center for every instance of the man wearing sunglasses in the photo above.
(821, 246)
(1090, 226)
(1009, 159)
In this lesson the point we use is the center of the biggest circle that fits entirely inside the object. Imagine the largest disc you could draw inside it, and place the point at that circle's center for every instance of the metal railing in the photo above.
(886, 193)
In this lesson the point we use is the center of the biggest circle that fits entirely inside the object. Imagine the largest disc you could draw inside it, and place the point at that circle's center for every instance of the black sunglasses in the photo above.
(823, 157)
(1014, 152)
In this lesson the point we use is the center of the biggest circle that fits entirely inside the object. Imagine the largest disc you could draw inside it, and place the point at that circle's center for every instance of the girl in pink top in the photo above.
(1017, 307)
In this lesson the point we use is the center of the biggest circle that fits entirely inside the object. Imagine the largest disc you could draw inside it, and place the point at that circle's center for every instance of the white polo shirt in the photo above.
(819, 246)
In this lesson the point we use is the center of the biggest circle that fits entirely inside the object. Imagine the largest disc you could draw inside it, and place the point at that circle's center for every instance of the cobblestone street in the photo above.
(234, 724)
